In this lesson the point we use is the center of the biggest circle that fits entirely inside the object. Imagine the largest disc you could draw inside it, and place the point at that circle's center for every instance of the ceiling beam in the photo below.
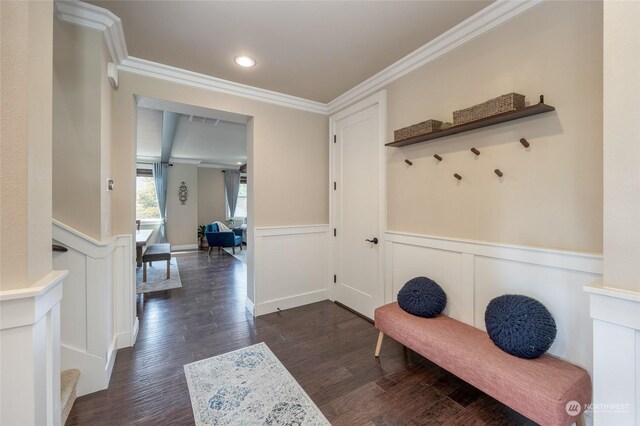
(169, 127)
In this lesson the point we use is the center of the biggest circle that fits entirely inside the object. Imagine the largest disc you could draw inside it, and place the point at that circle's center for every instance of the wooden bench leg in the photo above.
(169, 268)
(379, 345)
(580, 420)
(144, 272)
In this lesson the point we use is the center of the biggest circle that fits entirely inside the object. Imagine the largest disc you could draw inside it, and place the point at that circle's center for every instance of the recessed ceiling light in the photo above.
(244, 61)
(239, 163)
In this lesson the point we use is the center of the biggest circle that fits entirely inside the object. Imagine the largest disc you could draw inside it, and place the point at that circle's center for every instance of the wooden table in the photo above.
(142, 238)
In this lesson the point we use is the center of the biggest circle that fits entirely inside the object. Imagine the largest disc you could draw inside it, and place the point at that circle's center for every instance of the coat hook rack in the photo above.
(498, 172)
(525, 142)
(408, 162)
(475, 151)
(437, 157)
(457, 176)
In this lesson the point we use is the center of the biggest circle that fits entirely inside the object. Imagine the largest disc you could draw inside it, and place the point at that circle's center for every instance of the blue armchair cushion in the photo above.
(222, 239)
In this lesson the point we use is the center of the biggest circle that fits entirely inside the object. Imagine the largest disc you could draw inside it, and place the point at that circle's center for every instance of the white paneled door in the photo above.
(356, 203)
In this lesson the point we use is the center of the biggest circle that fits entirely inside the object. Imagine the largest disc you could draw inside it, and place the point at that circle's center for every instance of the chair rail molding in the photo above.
(98, 314)
(291, 267)
(30, 336)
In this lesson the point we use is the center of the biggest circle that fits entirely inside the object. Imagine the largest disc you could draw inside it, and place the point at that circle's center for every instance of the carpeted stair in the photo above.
(68, 385)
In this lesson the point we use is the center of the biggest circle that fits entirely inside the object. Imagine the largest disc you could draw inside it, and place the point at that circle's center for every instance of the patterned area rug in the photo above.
(157, 277)
(241, 255)
(248, 387)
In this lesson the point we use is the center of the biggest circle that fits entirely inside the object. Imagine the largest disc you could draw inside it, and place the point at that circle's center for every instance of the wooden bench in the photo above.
(543, 389)
(156, 252)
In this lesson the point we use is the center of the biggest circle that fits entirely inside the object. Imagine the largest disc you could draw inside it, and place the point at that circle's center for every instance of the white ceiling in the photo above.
(203, 136)
(311, 49)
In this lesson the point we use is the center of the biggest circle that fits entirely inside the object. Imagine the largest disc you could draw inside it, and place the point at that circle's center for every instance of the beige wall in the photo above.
(182, 219)
(25, 151)
(81, 130)
(551, 194)
(622, 145)
(211, 196)
(290, 152)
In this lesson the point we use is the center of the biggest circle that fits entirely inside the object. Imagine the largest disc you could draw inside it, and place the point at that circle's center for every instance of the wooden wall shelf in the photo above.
(484, 122)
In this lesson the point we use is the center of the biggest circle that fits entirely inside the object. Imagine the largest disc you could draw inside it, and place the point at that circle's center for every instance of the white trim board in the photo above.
(100, 19)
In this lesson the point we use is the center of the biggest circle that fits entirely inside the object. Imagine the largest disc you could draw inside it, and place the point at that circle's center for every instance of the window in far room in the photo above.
(146, 201)
(241, 205)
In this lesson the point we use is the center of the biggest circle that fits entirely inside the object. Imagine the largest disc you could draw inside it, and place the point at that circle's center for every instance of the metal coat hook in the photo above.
(525, 142)
(437, 157)
(408, 162)
(457, 176)
(475, 151)
(498, 172)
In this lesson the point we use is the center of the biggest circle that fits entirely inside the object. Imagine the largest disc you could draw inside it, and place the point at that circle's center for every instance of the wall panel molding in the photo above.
(98, 309)
(291, 267)
(474, 272)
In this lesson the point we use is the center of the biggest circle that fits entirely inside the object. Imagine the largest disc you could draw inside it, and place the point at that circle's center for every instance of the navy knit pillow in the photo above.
(520, 326)
(423, 297)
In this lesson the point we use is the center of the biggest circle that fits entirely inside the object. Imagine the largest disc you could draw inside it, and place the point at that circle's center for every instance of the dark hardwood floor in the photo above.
(328, 349)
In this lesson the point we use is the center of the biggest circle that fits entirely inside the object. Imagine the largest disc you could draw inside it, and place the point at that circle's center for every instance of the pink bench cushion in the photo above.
(538, 388)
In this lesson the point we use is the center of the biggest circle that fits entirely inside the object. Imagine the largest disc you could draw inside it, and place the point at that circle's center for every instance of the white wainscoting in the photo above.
(616, 332)
(473, 272)
(98, 308)
(291, 266)
(30, 353)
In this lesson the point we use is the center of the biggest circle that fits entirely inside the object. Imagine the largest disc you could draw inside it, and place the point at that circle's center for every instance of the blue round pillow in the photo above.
(520, 326)
(423, 297)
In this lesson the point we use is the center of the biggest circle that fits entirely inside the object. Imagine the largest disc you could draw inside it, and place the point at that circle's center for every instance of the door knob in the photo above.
(374, 241)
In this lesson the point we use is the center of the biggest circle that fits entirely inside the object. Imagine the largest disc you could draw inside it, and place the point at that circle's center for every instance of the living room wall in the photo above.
(182, 219)
(551, 193)
(211, 195)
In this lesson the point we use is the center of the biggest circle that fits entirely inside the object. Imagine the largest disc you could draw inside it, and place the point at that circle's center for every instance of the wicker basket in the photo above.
(417, 129)
(504, 103)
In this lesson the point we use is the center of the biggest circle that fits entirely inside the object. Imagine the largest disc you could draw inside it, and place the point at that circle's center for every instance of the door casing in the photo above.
(379, 98)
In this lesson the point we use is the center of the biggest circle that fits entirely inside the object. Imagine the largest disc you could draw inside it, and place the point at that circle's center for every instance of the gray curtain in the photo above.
(232, 185)
(160, 179)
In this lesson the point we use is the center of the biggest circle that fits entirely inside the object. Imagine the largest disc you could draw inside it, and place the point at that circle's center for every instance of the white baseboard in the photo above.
(185, 247)
(291, 302)
(251, 307)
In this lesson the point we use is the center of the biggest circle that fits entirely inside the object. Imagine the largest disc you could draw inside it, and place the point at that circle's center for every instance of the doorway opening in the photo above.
(193, 186)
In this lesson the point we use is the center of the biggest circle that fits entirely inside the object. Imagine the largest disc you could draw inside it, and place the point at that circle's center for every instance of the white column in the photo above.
(615, 301)
(30, 353)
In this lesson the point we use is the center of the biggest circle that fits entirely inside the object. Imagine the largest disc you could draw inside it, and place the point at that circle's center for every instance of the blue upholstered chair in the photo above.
(215, 238)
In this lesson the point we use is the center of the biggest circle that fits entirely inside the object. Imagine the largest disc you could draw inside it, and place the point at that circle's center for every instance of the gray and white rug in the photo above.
(241, 255)
(248, 387)
(157, 277)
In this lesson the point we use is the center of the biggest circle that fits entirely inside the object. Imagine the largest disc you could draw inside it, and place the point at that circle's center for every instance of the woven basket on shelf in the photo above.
(504, 103)
(417, 129)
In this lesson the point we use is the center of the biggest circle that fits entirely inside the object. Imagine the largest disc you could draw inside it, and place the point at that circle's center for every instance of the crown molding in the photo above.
(190, 78)
(97, 18)
(480, 23)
